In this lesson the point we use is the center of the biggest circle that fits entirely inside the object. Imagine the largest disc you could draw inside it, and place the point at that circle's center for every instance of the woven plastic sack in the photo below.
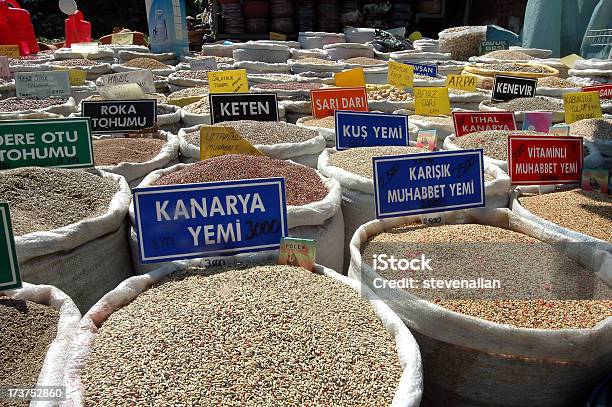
(167, 58)
(7, 89)
(328, 134)
(193, 119)
(462, 42)
(308, 53)
(90, 256)
(218, 50)
(419, 56)
(311, 40)
(409, 389)
(156, 72)
(64, 109)
(116, 48)
(84, 91)
(255, 78)
(179, 82)
(348, 50)
(262, 67)
(556, 92)
(558, 116)
(534, 52)
(270, 53)
(296, 106)
(321, 221)
(51, 373)
(168, 115)
(298, 67)
(104, 54)
(498, 365)
(93, 72)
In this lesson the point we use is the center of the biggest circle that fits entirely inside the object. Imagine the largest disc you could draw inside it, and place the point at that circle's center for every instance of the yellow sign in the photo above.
(228, 81)
(118, 92)
(570, 60)
(353, 78)
(122, 39)
(182, 102)
(400, 75)
(277, 36)
(463, 82)
(431, 101)
(77, 76)
(217, 141)
(581, 105)
(11, 51)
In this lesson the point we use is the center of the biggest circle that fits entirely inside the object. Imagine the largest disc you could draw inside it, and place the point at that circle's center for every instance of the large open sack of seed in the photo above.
(388, 98)
(187, 79)
(501, 56)
(270, 53)
(168, 117)
(522, 322)
(287, 90)
(595, 131)
(262, 67)
(158, 68)
(94, 68)
(346, 50)
(167, 58)
(25, 108)
(314, 65)
(218, 50)
(521, 105)
(38, 324)
(279, 140)
(70, 229)
(103, 54)
(353, 170)
(419, 56)
(556, 87)
(313, 202)
(443, 125)
(251, 333)
(135, 156)
(572, 215)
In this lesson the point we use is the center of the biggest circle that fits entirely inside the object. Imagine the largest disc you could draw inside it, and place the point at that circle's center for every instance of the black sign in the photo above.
(512, 87)
(120, 116)
(243, 106)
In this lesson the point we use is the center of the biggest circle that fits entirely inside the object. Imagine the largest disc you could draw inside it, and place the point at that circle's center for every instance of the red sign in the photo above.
(605, 91)
(537, 160)
(471, 122)
(326, 101)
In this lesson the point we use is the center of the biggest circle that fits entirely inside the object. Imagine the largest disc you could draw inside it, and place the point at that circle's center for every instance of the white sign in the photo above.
(42, 85)
(208, 64)
(142, 77)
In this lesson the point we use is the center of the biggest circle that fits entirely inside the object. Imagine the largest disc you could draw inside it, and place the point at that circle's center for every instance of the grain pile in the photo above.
(288, 86)
(583, 211)
(255, 336)
(26, 331)
(510, 67)
(364, 61)
(45, 198)
(112, 151)
(23, 104)
(540, 287)
(493, 142)
(388, 93)
(530, 104)
(76, 62)
(509, 55)
(202, 106)
(359, 160)
(188, 92)
(328, 122)
(461, 42)
(592, 129)
(554, 82)
(146, 63)
(444, 120)
(303, 184)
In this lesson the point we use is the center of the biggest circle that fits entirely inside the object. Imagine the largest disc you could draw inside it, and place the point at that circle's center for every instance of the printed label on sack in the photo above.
(351, 78)
(233, 81)
(425, 70)
(512, 87)
(431, 101)
(462, 82)
(536, 160)
(537, 121)
(5, 71)
(209, 219)
(10, 51)
(298, 252)
(42, 85)
(427, 139)
(471, 122)
(77, 77)
(605, 91)
(581, 105)
(207, 64)
(428, 182)
(64, 143)
(141, 77)
(595, 180)
(559, 130)
(400, 75)
(490, 46)
(243, 106)
(217, 141)
(326, 101)
(120, 116)
(362, 129)
(277, 36)
(122, 38)
(9, 265)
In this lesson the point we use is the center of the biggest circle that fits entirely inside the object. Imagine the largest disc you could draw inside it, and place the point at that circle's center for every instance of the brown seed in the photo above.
(112, 151)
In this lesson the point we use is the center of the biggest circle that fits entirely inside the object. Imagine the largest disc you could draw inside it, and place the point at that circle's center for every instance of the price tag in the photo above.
(471, 122)
(431, 101)
(243, 106)
(350, 78)
(121, 116)
(462, 82)
(233, 81)
(605, 91)
(5, 71)
(64, 143)
(208, 64)
(537, 121)
(428, 183)
(118, 92)
(217, 141)
(141, 77)
(363, 129)
(595, 180)
(84, 48)
(77, 77)
(326, 101)
(581, 105)
(224, 218)
(433, 219)
(42, 85)
(558, 130)
(9, 265)
(427, 138)
(122, 39)
(10, 51)
(277, 36)
(400, 75)
(298, 252)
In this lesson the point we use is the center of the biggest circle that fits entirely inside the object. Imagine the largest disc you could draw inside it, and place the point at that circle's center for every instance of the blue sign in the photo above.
(209, 219)
(428, 182)
(358, 129)
(425, 70)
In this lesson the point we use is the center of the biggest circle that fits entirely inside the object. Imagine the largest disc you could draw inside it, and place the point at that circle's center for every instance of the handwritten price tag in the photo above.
(232, 81)
(400, 75)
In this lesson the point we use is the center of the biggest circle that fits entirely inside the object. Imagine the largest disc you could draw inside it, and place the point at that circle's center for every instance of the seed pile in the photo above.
(264, 132)
(390, 93)
(146, 63)
(493, 142)
(530, 104)
(22, 104)
(328, 122)
(259, 336)
(540, 287)
(76, 62)
(359, 160)
(303, 184)
(445, 120)
(510, 67)
(425, 77)
(112, 151)
(46, 198)
(365, 61)
(583, 211)
(289, 86)
(463, 44)
(592, 129)
(508, 55)
(27, 330)
(554, 82)
(187, 92)
(201, 75)
(202, 106)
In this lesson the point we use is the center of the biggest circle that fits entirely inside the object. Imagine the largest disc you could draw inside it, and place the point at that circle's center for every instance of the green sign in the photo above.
(62, 143)
(490, 46)
(9, 267)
